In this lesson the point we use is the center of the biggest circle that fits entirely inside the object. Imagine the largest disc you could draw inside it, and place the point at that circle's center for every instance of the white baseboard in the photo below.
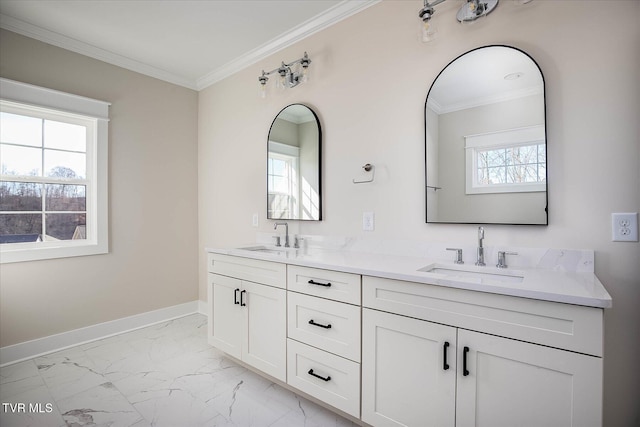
(41, 346)
(202, 307)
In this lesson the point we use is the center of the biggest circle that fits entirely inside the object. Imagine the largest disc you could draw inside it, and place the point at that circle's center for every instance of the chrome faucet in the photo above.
(286, 232)
(480, 258)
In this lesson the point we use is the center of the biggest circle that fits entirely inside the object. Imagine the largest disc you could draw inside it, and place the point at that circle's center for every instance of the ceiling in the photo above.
(485, 76)
(185, 42)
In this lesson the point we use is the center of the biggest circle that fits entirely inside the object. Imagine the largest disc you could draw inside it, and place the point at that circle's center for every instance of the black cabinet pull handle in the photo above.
(235, 296)
(318, 376)
(242, 303)
(311, 322)
(465, 371)
(313, 282)
(445, 365)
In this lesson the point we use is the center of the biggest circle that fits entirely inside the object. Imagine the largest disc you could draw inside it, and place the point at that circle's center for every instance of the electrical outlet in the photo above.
(624, 227)
(367, 221)
(254, 220)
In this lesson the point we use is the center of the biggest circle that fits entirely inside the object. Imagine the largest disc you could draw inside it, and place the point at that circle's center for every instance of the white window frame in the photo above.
(15, 96)
(531, 135)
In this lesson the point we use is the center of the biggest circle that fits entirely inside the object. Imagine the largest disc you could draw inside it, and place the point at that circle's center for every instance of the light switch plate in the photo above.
(624, 227)
(254, 220)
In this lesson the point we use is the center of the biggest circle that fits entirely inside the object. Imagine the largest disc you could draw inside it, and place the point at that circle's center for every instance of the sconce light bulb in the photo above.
(428, 31)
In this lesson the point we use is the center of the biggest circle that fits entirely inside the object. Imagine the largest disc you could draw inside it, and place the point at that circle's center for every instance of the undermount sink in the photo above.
(268, 249)
(479, 274)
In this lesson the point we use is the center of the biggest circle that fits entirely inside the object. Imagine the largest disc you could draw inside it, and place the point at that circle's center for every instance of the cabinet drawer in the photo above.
(253, 270)
(329, 325)
(329, 284)
(565, 326)
(337, 382)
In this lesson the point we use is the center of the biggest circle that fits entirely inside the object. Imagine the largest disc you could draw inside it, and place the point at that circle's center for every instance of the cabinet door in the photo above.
(404, 380)
(512, 383)
(226, 324)
(265, 323)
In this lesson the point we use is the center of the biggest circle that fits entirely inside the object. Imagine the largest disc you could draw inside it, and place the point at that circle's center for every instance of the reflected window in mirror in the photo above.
(485, 136)
(293, 165)
(512, 161)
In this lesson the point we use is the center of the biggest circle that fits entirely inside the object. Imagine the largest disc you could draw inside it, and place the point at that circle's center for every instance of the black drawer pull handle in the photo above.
(242, 303)
(311, 322)
(313, 282)
(465, 371)
(235, 296)
(318, 376)
(445, 365)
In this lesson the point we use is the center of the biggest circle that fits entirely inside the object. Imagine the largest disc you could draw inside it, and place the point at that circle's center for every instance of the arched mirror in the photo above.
(486, 157)
(293, 165)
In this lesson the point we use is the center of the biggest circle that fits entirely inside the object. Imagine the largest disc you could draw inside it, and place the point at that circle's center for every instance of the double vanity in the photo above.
(397, 340)
(393, 335)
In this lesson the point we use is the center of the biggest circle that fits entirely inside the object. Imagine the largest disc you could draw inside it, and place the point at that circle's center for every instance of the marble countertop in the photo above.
(549, 284)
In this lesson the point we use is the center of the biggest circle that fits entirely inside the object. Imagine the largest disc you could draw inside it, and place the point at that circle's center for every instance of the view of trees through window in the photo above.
(511, 165)
(43, 189)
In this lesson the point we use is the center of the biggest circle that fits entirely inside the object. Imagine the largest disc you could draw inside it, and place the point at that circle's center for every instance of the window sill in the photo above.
(15, 254)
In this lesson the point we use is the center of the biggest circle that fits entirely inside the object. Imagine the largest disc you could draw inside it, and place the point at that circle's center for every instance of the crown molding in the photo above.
(326, 19)
(331, 16)
(68, 43)
(485, 100)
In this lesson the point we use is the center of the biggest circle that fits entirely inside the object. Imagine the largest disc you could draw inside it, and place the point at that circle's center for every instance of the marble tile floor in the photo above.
(161, 375)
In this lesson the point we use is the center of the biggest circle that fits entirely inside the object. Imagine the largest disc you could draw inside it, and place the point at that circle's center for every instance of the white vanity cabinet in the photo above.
(400, 353)
(428, 361)
(247, 319)
(323, 350)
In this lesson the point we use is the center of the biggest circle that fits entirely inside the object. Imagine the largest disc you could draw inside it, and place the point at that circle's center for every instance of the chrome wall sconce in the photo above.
(469, 12)
(289, 75)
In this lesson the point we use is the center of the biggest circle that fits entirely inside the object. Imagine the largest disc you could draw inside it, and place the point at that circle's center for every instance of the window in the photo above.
(506, 162)
(282, 173)
(53, 200)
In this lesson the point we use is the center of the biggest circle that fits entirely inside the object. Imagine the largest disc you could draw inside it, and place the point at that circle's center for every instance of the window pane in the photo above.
(65, 226)
(528, 154)
(542, 173)
(496, 157)
(542, 153)
(62, 164)
(65, 136)
(279, 167)
(530, 173)
(20, 228)
(496, 175)
(20, 196)
(482, 159)
(279, 206)
(483, 177)
(280, 185)
(18, 160)
(514, 174)
(63, 197)
(23, 130)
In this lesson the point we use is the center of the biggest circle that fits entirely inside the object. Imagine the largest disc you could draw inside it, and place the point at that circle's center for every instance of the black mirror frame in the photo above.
(315, 116)
(544, 98)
